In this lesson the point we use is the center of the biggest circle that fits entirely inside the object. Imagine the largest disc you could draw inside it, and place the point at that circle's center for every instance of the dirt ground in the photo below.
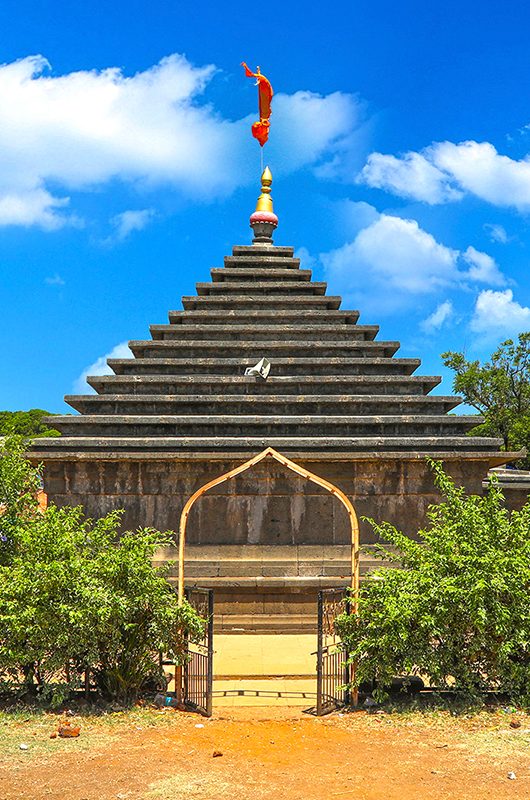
(267, 753)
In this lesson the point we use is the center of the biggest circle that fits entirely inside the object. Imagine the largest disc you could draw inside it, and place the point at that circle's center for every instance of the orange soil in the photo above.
(268, 753)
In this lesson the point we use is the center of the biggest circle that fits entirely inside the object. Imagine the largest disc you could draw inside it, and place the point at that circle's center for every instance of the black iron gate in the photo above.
(198, 669)
(333, 670)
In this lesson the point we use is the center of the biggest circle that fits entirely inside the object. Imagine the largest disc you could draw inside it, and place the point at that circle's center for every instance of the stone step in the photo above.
(292, 288)
(241, 385)
(256, 349)
(221, 425)
(255, 250)
(267, 332)
(230, 622)
(260, 317)
(309, 368)
(231, 575)
(260, 274)
(271, 300)
(163, 404)
(296, 447)
(255, 261)
(264, 553)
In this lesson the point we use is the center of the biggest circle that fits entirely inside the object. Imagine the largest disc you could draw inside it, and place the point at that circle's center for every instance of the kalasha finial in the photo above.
(263, 221)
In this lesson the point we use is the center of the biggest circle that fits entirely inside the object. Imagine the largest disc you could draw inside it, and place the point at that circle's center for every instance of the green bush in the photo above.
(457, 611)
(74, 592)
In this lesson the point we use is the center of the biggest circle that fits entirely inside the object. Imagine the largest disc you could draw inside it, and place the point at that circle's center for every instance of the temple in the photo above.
(338, 400)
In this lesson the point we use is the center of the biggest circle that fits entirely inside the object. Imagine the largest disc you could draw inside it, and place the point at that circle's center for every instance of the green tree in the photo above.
(455, 605)
(75, 593)
(499, 389)
(29, 424)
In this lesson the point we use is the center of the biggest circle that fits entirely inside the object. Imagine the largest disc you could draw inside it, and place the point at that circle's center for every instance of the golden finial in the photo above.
(265, 200)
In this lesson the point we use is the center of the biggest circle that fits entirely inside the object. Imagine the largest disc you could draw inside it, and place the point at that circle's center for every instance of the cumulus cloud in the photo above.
(438, 318)
(412, 176)
(498, 314)
(482, 267)
(60, 134)
(394, 259)
(100, 367)
(446, 171)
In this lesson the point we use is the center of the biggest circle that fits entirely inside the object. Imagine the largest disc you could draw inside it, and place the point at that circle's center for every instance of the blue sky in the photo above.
(399, 145)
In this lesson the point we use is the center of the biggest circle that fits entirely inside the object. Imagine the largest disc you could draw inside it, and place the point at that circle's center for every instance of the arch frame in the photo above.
(304, 473)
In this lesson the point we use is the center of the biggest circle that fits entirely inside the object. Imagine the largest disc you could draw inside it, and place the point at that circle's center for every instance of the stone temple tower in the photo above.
(338, 400)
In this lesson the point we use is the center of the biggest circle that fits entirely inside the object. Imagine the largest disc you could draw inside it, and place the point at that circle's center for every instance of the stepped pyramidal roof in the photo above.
(335, 390)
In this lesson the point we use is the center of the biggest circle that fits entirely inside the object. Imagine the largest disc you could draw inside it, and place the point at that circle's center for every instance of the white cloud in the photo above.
(498, 314)
(482, 268)
(394, 259)
(438, 318)
(445, 171)
(306, 126)
(128, 221)
(54, 280)
(33, 206)
(100, 367)
(480, 170)
(497, 233)
(81, 130)
(412, 175)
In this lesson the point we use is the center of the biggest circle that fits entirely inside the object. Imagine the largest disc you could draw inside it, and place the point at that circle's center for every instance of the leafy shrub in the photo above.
(457, 611)
(74, 593)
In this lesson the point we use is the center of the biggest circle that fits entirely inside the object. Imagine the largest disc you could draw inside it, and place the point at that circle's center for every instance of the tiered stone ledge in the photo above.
(314, 449)
(287, 366)
(195, 348)
(293, 288)
(252, 300)
(258, 274)
(291, 333)
(263, 425)
(265, 316)
(307, 385)
(286, 405)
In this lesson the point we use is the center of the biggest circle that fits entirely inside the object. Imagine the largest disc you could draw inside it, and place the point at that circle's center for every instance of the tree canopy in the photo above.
(28, 424)
(499, 389)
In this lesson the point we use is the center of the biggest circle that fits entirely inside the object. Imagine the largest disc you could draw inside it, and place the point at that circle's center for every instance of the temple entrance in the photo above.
(247, 668)
(288, 654)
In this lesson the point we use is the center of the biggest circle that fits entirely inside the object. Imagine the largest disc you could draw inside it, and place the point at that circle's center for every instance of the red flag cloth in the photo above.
(260, 130)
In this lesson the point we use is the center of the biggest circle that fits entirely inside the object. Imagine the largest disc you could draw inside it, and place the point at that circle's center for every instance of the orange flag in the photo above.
(260, 130)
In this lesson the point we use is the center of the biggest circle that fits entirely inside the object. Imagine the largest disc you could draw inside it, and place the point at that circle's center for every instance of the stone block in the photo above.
(120, 477)
(85, 477)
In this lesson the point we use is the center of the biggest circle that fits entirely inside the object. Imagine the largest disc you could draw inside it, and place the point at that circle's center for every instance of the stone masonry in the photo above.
(337, 400)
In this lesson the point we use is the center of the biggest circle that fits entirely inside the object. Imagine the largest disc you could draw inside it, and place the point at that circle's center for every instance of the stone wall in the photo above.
(268, 505)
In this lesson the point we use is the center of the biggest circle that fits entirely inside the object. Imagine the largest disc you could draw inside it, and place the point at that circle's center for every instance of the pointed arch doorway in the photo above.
(326, 683)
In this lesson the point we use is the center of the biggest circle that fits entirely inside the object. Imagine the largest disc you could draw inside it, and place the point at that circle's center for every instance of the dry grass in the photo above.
(33, 726)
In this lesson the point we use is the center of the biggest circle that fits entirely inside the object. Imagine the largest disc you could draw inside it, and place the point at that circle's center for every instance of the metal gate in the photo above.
(333, 670)
(198, 669)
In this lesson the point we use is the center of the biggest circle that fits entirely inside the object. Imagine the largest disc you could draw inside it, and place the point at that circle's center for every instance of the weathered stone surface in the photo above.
(264, 507)
(181, 412)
